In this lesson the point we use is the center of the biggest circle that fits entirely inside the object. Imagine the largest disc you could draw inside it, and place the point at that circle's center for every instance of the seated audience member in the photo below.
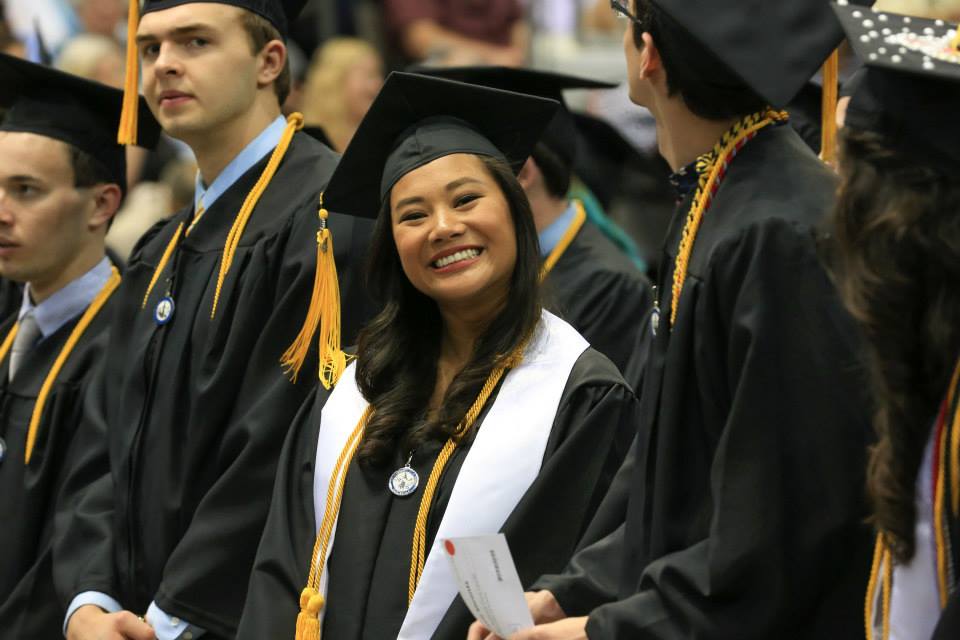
(459, 32)
(62, 178)
(342, 82)
(419, 441)
(897, 230)
(95, 57)
(744, 511)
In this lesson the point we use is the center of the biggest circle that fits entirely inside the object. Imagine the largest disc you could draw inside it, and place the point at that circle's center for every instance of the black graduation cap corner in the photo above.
(774, 47)
(42, 100)
(561, 134)
(909, 88)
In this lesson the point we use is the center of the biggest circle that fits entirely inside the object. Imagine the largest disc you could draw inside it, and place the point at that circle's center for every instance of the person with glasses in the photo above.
(743, 513)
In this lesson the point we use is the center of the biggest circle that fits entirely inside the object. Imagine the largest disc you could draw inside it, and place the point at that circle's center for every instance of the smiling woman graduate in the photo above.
(468, 410)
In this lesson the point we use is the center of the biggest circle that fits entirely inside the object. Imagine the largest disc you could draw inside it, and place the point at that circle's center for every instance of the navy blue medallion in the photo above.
(163, 313)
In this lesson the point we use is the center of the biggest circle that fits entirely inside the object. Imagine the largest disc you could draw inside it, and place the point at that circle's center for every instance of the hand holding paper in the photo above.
(488, 582)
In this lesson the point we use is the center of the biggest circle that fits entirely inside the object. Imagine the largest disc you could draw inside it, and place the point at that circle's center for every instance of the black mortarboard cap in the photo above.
(560, 136)
(909, 88)
(71, 109)
(416, 119)
(279, 13)
(773, 46)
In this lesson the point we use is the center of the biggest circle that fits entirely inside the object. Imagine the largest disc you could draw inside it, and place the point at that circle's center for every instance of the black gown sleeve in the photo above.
(83, 545)
(786, 483)
(593, 574)
(283, 557)
(948, 627)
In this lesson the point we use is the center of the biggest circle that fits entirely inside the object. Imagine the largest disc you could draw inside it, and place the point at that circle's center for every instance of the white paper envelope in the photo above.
(488, 582)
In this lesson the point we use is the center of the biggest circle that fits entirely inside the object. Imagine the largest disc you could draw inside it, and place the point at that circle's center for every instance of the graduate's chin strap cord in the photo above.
(947, 472)
(101, 299)
(294, 123)
(311, 600)
(712, 168)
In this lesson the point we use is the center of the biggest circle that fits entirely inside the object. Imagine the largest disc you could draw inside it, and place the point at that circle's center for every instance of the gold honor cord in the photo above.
(828, 105)
(882, 569)
(101, 299)
(311, 601)
(712, 168)
(294, 123)
(580, 216)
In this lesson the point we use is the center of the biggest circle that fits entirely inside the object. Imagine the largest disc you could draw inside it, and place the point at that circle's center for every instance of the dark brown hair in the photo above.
(398, 350)
(709, 88)
(261, 32)
(896, 259)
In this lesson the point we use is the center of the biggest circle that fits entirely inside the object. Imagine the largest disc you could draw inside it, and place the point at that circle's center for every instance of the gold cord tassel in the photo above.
(127, 131)
(308, 620)
(324, 311)
(828, 138)
(294, 123)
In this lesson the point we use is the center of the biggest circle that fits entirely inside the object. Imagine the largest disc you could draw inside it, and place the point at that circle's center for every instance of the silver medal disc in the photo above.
(403, 481)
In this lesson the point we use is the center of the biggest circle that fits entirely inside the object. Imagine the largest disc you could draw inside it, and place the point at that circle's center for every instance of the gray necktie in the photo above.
(26, 337)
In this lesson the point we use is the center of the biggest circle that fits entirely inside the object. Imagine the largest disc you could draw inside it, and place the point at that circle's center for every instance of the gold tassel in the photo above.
(127, 130)
(828, 139)
(324, 311)
(308, 620)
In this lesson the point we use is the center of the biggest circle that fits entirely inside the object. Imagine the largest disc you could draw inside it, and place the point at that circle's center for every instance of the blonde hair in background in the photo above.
(943, 9)
(323, 103)
(83, 54)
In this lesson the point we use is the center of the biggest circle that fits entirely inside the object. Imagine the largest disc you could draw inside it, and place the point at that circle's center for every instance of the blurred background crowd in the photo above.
(340, 53)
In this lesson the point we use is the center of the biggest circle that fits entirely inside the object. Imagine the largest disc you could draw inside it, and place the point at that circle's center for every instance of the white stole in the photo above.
(499, 468)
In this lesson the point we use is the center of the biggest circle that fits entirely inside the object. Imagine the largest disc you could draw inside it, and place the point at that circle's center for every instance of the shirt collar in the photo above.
(550, 237)
(259, 147)
(685, 180)
(67, 303)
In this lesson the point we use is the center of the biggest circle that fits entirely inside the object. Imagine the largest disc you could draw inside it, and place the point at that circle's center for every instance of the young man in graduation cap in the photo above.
(589, 281)
(744, 517)
(62, 178)
(193, 402)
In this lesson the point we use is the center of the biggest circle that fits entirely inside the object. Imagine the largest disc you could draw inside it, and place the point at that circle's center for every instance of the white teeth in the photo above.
(466, 254)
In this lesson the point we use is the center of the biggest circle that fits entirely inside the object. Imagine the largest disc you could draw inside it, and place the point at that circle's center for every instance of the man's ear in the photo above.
(272, 59)
(650, 62)
(529, 174)
(106, 200)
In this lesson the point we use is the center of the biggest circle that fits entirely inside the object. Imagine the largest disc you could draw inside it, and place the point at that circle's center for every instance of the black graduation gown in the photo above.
(597, 290)
(745, 514)
(29, 607)
(195, 411)
(369, 565)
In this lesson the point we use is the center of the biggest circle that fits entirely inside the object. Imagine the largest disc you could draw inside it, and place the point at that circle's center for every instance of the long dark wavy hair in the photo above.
(897, 264)
(399, 349)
